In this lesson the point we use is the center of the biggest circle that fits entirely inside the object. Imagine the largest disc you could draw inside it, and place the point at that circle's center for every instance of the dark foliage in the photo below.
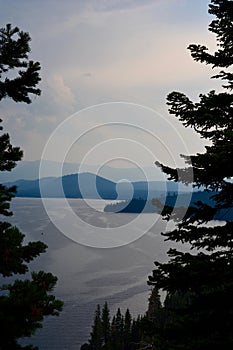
(199, 284)
(122, 332)
(14, 50)
(25, 302)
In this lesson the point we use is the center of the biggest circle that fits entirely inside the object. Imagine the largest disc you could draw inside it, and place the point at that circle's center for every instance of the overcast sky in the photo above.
(102, 51)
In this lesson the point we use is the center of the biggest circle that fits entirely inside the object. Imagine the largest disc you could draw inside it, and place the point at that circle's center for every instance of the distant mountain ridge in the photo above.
(136, 196)
(29, 170)
(88, 185)
(68, 186)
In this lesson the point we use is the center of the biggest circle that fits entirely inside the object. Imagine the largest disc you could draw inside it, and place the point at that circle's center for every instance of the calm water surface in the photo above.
(87, 276)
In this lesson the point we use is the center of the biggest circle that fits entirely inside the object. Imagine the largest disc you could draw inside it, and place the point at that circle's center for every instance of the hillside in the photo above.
(88, 185)
(72, 186)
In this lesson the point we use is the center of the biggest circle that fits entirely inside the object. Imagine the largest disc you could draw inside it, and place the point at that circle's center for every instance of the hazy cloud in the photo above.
(106, 50)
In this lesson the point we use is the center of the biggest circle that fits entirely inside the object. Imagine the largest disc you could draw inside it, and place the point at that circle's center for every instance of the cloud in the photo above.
(60, 93)
(101, 39)
(105, 50)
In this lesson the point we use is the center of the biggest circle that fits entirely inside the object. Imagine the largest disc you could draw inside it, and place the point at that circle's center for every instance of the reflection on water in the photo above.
(87, 276)
(85, 222)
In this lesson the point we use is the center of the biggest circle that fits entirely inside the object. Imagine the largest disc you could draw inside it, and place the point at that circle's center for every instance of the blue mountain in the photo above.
(89, 185)
(92, 186)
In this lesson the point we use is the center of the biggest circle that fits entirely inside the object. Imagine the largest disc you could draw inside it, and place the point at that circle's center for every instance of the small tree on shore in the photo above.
(96, 340)
(105, 318)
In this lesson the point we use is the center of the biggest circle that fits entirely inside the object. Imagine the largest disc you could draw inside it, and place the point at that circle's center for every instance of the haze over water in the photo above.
(87, 276)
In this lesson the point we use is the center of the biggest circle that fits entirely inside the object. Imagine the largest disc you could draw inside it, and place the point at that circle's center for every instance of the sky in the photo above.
(107, 67)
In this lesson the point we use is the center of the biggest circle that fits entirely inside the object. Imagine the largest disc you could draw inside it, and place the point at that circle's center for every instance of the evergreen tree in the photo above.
(200, 285)
(119, 329)
(127, 329)
(96, 340)
(136, 332)
(23, 303)
(14, 50)
(154, 304)
(106, 324)
(124, 333)
(120, 323)
(113, 337)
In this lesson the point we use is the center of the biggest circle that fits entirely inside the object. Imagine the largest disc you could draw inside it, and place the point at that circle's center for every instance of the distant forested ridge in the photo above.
(89, 185)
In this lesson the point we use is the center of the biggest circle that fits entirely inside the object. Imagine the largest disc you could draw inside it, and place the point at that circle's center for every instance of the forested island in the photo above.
(174, 200)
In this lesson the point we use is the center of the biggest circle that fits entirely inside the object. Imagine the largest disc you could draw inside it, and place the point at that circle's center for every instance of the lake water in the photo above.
(88, 276)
